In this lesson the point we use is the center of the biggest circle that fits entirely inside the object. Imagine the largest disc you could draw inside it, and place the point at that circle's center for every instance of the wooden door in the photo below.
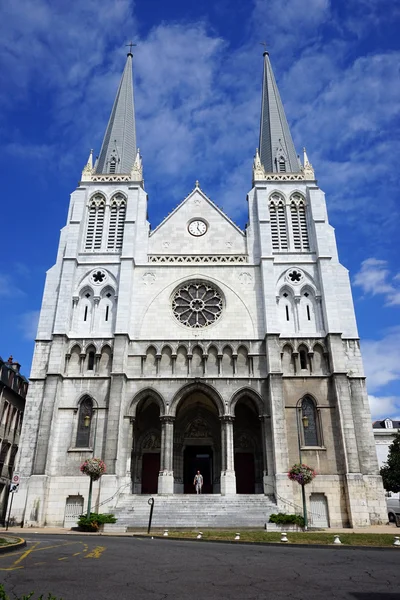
(150, 472)
(245, 473)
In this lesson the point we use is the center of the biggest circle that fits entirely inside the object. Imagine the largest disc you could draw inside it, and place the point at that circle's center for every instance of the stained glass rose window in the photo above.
(197, 304)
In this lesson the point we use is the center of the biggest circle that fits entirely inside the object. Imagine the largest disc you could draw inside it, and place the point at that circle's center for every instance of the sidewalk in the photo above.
(26, 531)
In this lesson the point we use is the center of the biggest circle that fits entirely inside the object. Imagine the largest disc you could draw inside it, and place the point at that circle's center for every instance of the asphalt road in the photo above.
(100, 567)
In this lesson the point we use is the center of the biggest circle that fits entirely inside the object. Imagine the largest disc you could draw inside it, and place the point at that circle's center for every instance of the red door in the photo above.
(150, 471)
(244, 469)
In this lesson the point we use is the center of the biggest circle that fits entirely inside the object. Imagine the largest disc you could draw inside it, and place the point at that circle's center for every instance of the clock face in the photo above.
(197, 227)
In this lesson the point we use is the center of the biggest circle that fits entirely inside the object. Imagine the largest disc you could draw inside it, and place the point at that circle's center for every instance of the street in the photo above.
(102, 567)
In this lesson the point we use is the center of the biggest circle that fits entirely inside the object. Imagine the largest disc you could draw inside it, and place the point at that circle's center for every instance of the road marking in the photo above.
(96, 552)
(11, 568)
(64, 558)
(76, 554)
(25, 554)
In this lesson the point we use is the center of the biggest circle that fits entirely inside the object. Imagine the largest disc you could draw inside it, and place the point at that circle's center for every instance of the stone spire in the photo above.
(118, 151)
(277, 152)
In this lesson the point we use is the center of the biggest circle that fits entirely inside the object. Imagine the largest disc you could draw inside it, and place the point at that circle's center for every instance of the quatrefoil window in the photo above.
(98, 276)
(197, 305)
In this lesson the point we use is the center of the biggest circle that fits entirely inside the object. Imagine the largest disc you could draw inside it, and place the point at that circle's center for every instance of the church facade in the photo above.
(197, 345)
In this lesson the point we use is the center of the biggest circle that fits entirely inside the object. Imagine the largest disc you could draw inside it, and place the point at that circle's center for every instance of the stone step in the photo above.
(195, 511)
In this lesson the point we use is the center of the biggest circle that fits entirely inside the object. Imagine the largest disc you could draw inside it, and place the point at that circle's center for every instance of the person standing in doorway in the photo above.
(198, 482)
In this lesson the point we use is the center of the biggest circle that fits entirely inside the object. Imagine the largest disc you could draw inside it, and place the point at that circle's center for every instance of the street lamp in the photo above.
(304, 420)
(86, 423)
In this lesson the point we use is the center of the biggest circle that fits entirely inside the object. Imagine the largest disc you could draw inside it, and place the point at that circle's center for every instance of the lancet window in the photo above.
(299, 223)
(288, 223)
(117, 223)
(277, 214)
(85, 419)
(95, 223)
(310, 422)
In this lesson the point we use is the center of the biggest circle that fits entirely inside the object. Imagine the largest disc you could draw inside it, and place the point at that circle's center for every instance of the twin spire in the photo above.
(277, 153)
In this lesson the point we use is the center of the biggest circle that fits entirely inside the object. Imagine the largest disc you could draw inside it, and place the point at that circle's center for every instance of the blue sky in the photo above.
(197, 71)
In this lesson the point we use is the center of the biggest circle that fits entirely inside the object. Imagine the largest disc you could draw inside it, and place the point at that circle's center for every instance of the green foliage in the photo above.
(3, 596)
(93, 522)
(390, 472)
(284, 519)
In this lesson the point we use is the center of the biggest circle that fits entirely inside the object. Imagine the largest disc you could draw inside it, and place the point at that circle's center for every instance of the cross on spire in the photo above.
(265, 46)
(130, 44)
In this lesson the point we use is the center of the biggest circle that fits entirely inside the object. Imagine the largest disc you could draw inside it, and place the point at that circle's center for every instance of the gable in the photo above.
(212, 231)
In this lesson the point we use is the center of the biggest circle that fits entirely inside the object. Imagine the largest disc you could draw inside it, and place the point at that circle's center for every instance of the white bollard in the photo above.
(166, 533)
(337, 540)
(396, 541)
(237, 536)
(200, 534)
(284, 537)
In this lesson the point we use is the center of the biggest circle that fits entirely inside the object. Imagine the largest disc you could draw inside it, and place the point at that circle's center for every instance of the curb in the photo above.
(19, 543)
(274, 544)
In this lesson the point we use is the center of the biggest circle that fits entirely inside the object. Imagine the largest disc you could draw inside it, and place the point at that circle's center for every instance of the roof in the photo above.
(275, 137)
(119, 142)
(382, 424)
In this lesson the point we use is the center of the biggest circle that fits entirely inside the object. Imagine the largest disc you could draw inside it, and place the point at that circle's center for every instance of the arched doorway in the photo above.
(248, 452)
(146, 447)
(197, 443)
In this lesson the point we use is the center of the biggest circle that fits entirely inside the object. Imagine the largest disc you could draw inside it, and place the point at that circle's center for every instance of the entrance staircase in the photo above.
(192, 511)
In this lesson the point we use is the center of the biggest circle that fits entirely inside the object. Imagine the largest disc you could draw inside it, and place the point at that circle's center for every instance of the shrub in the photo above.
(284, 519)
(93, 522)
(3, 596)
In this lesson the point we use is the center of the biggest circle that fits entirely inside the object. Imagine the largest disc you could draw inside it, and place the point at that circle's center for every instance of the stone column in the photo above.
(268, 466)
(166, 476)
(228, 477)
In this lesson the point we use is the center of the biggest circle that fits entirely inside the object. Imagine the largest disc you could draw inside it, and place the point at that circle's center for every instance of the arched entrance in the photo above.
(197, 443)
(248, 454)
(146, 447)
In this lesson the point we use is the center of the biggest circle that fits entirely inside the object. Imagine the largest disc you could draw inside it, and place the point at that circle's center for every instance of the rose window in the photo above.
(197, 304)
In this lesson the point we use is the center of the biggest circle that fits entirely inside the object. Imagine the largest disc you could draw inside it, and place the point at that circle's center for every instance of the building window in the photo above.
(309, 422)
(299, 224)
(95, 224)
(197, 304)
(278, 221)
(113, 165)
(91, 361)
(117, 223)
(84, 423)
(281, 165)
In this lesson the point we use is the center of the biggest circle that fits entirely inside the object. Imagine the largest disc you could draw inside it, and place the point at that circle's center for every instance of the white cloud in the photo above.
(8, 289)
(375, 278)
(384, 406)
(28, 324)
(381, 360)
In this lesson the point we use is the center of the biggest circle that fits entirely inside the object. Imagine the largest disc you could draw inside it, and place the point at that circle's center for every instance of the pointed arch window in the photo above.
(85, 419)
(281, 165)
(95, 224)
(113, 165)
(311, 431)
(299, 224)
(117, 223)
(278, 224)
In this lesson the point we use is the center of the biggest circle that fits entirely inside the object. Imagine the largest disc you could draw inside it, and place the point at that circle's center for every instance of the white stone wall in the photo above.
(250, 276)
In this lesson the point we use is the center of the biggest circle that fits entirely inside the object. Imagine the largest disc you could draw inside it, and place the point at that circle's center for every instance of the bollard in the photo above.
(284, 537)
(337, 540)
(150, 502)
(199, 536)
(396, 541)
(165, 534)
(237, 536)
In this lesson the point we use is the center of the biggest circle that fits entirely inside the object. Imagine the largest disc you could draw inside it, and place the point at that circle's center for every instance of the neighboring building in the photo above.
(13, 390)
(384, 434)
(198, 345)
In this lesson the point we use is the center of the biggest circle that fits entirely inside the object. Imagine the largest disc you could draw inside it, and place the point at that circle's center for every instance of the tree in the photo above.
(390, 472)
